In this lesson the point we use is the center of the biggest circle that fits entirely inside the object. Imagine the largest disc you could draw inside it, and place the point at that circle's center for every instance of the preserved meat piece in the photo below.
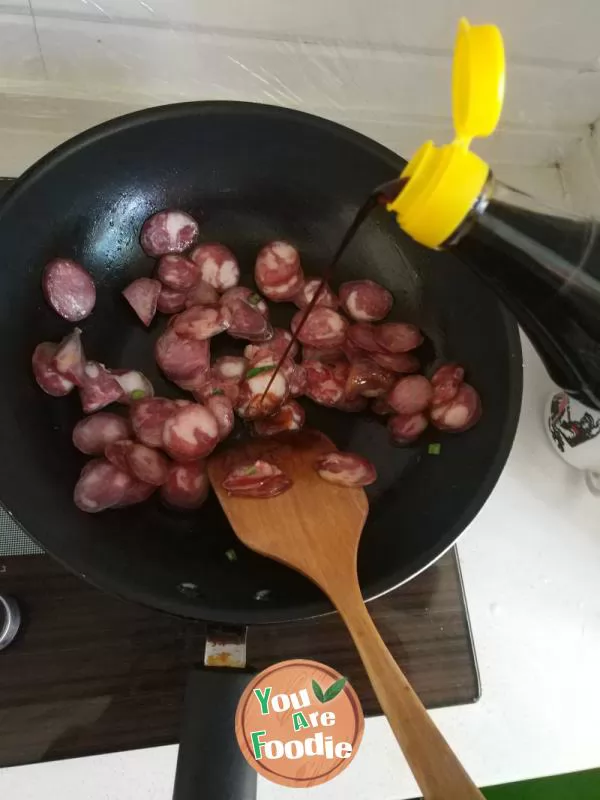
(346, 469)
(365, 301)
(230, 368)
(405, 428)
(181, 358)
(203, 294)
(148, 418)
(46, 376)
(100, 486)
(251, 404)
(278, 265)
(324, 328)
(69, 359)
(190, 433)
(202, 322)
(142, 295)
(138, 492)
(187, 486)
(446, 381)
(117, 453)
(404, 363)
(92, 434)
(398, 337)
(256, 479)
(218, 266)
(304, 297)
(366, 378)
(147, 464)
(330, 354)
(135, 385)
(282, 292)
(68, 289)
(297, 379)
(325, 383)
(411, 394)
(362, 335)
(221, 408)
(213, 387)
(98, 387)
(195, 382)
(290, 417)
(276, 346)
(168, 231)
(248, 296)
(460, 413)
(248, 323)
(170, 302)
(177, 272)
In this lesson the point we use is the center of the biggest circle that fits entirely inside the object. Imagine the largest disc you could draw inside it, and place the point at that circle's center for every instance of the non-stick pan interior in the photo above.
(252, 174)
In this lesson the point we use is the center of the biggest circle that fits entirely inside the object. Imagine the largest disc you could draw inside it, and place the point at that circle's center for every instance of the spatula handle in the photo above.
(437, 770)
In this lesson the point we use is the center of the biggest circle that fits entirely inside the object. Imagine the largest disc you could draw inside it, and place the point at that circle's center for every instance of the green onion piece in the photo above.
(434, 449)
(230, 554)
(254, 299)
(251, 470)
(217, 391)
(137, 394)
(252, 373)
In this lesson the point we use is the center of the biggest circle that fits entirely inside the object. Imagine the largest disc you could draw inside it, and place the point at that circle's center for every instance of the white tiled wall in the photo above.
(382, 67)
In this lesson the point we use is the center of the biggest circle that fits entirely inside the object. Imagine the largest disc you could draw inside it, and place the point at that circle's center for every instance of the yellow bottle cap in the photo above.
(446, 181)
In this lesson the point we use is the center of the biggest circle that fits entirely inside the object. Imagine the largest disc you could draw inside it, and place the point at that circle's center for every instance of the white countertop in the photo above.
(531, 564)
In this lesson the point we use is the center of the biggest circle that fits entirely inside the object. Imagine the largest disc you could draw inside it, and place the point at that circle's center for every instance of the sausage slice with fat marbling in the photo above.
(69, 289)
(346, 469)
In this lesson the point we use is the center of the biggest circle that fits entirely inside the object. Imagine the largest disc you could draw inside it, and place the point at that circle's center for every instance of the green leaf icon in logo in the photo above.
(331, 693)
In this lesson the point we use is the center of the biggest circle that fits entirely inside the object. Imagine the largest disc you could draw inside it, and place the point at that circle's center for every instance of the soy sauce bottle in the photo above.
(543, 264)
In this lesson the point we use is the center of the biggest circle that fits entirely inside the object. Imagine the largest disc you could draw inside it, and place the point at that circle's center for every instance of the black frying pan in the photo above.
(253, 174)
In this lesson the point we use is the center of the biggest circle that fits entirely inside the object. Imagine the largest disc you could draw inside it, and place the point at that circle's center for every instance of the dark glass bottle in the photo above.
(545, 266)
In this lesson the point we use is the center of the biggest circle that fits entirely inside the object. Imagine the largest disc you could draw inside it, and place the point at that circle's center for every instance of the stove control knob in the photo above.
(10, 620)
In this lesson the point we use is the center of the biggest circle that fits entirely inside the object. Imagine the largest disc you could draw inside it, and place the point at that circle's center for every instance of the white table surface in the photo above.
(531, 564)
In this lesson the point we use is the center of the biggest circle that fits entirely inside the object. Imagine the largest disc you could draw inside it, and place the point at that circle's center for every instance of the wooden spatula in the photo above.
(315, 528)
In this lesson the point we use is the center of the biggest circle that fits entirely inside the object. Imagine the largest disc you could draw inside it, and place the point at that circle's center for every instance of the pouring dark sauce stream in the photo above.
(380, 196)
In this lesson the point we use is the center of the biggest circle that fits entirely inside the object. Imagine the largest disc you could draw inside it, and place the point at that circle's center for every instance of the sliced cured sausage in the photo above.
(101, 485)
(142, 295)
(346, 469)
(148, 418)
(147, 464)
(297, 380)
(251, 403)
(98, 387)
(190, 433)
(69, 289)
(290, 417)
(187, 486)
(248, 323)
(117, 453)
(177, 272)
(411, 394)
(247, 295)
(222, 409)
(69, 359)
(405, 428)
(307, 292)
(258, 479)
(170, 301)
(362, 336)
(460, 413)
(218, 266)
(168, 231)
(330, 354)
(276, 346)
(366, 378)
(138, 492)
(181, 358)
(404, 363)
(92, 434)
(282, 292)
(213, 387)
(326, 383)
(278, 265)
(195, 382)
(398, 337)
(230, 368)
(202, 322)
(365, 301)
(44, 372)
(323, 327)
(135, 385)
(203, 294)
(446, 381)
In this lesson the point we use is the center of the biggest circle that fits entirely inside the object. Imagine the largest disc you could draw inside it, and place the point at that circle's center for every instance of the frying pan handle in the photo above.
(210, 762)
